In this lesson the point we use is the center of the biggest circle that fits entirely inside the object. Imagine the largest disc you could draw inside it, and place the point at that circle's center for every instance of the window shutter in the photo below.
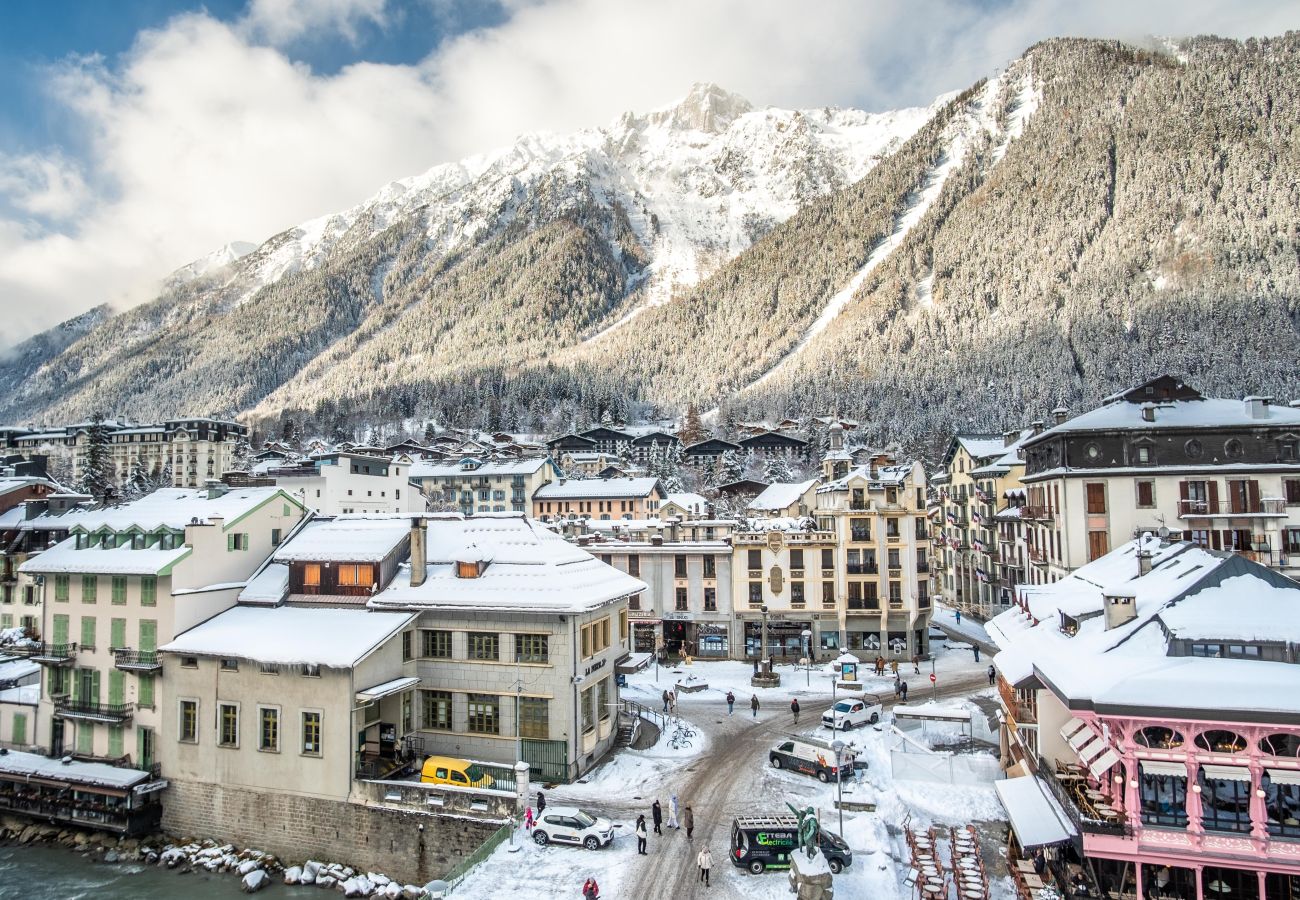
(1182, 490)
(1216, 540)
(1214, 496)
(230, 542)
(1252, 494)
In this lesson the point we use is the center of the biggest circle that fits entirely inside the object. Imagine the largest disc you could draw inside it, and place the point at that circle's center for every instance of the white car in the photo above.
(570, 825)
(848, 714)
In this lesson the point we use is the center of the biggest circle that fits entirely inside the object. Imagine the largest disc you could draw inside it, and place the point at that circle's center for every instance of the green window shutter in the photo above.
(144, 746)
(6, 620)
(87, 631)
(20, 728)
(115, 741)
(146, 691)
(230, 542)
(117, 634)
(148, 634)
(94, 685)
(85, 738)
(61, 588)
(116, 689)
(60, 628)
(119, 589)
(89, 586)
(149, 591)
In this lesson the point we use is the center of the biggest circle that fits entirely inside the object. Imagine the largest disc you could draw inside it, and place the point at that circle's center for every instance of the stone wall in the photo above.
(408, 846)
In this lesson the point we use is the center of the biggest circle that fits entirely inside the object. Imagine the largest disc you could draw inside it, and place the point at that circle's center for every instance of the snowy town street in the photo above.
(725, 773)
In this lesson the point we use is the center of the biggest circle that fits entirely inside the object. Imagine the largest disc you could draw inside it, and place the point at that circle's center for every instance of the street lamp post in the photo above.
(807, 656)
(838, 746)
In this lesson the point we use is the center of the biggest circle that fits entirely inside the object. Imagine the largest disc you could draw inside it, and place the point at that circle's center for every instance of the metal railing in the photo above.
(76, 707)
(1268, 506)
(136, 659)
(1081, 821)
(466, 865)
(56, 654)
(862, 568)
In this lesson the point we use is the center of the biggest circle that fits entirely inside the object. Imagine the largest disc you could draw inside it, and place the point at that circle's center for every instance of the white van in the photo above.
(812, 757)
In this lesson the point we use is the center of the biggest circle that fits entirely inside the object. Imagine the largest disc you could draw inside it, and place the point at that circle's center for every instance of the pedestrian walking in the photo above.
(893, 667)
(898, 686)
(688, 820)
(731, 703)
(641, 834)
(958, 616)
(903, 691)
(672, 812)
(590, 890)
(657, 816)
(977, 652)
(666, 699)
(705, 861)
(916, 665)
(794, 708)
(528, 819)
(753, 705)
(672, 702)
(992, 675)
(880, 665)
(541, 804)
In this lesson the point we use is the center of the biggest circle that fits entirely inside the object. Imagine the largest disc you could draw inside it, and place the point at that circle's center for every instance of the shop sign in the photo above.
(677, 616)
(151, 787)
(641, 614)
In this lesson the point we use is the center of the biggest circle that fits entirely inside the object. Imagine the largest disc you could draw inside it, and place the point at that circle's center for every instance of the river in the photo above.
(56, 873)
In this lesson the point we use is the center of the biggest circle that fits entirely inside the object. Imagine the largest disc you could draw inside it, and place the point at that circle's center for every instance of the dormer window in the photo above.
(469, 568)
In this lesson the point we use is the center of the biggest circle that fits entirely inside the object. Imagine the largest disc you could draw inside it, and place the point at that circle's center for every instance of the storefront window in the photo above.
(830, 640)
(1225, 801)
(1230, 884)
(1282, 802)
(1164, 799)
(1169, 882)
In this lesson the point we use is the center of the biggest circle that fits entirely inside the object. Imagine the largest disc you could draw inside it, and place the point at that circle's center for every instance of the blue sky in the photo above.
(139, 135)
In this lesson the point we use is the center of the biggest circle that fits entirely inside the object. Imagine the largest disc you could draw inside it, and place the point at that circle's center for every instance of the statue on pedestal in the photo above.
(809, 829)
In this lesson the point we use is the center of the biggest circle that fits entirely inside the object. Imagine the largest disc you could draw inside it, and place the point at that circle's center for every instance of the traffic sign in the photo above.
(933, 678)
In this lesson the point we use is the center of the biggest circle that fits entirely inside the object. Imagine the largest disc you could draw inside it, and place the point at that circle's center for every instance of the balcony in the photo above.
(143, 661)
(1076, 805)
(862, 568)
(1036, 556)
(858, 505)
(54, 654)
(922, 568)
(1202, 509)
(860, 535)
(93, 711)
(1037, 513)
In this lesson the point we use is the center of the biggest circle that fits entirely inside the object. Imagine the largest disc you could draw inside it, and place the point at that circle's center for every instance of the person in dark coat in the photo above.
(666, 699)
(977, 652)
(753, 705)
(902, 690)
(541, 804)
(794, 708)
(993, 674)
(688, 821)
(731, 702)
(657, 816)
(641, 834)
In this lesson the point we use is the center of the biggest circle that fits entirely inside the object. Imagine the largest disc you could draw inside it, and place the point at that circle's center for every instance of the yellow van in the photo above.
(458, 772)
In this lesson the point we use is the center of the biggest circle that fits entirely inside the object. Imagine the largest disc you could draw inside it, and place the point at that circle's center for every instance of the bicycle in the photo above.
(678, 742)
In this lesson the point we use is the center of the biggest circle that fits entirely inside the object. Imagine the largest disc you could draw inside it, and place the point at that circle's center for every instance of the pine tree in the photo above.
(99, 477)
(241, 457)
(730, 468)
(691, 432)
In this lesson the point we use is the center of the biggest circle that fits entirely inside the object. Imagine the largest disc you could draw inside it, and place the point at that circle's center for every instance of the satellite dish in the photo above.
(1164, 532)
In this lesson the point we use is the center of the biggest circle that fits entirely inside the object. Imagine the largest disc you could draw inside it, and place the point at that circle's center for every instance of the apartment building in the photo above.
(479, 485)
(195, 450)
(1151, 707)
(343, 483)
(598, 498)
(127, 579)
(25, 531)
(1224, 474)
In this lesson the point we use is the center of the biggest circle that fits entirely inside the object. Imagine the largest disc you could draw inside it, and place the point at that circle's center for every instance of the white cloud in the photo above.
(205, 132)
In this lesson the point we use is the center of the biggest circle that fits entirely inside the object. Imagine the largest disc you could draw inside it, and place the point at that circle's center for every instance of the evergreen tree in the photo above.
(692, 431)
(99, 476)
(241, 457)
(731, 467)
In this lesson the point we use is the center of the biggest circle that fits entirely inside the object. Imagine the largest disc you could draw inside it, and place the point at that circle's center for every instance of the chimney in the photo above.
(1257, 407)
(1037, 426)
(1009, 437)
(419, 556)
(1144, 557)
(1060, 414)
(1120, 607)
(216, 488)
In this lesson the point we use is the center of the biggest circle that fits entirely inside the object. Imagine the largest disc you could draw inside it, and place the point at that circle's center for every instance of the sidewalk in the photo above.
(968, 630)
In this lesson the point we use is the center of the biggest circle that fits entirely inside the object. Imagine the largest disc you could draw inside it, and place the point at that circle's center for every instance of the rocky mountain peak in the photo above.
(706, 108)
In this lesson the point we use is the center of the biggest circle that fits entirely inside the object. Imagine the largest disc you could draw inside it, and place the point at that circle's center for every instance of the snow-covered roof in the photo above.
(442, 469)
(1010, 457)
(597, 488)
(1210, 412)
(352, 538)
(16, 764)
(1035, 816)
(268, 586)
(981, 446)
(781, 495)
(693, 502)
(290, 635)
(65, 558)
(882, 475)
(783, 523)
(12, 669)
(531, 568)
(1193, 592)
(8, 485)
(177, 507)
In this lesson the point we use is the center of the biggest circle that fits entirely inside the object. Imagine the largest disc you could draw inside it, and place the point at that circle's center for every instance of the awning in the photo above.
(1160, 767)
(1099, 765)
(387, 689)
(1283, 776)
(633, 662)
(1072, 727)
(1227, 773)
(1091, 750)
(1080, 738)
(1036, 817)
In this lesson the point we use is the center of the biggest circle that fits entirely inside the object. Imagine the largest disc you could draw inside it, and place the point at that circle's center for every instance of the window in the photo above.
(406, 646)
(1144, 454)
(891, 528)
(228, 719)
(1225, 802)
(435, 644)
(484, 714)
(229, 664)
(532, 648)
(89, 586)
(61, 588)
(796, 594)
(1096, 498)
(237, 541)
(895, 593)
(634, 565)
(148, 591)
(710, 567)
(595, 637)
(710, 599)
(119, 590)
(189, 662)
(1163, 798)
(356, 575)
(679, 566)
(116, 634)
(756, 593)
(1098, 544)
(860, 529)
(87, 632)
(796, 559)
(268, 738)
(1290, 490)
(1146, 494)
(484, 645)
(534, 718)
(894, 559)
(437, 709)
(755, 558)
(622, 626)
(681, 600)
(828, 595)
(189, 721)
(311, 575)
(828, 559)
(311, 730)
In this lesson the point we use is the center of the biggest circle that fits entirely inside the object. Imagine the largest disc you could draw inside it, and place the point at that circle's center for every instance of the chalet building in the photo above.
(652, 444)
(773, 444)
(342, 483)
(710, 451)
(571, 443)
(605, 498)
(1223, 474)
(477, 485)
(684, 506)
(578, 464)
(741, 491)
(607, 440)
(1151, 710)
(782, 499)
(128, 579)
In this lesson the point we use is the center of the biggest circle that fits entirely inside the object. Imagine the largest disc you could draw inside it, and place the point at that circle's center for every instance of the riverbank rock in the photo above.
(293, 875)
(254, 881)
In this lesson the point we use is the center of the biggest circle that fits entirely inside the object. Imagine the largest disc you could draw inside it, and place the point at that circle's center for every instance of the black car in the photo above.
(759, 843)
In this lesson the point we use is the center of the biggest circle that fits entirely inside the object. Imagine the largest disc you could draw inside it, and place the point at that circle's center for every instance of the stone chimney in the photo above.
(1144, 561)
(1060, 414)
(1257, 407)
(1037, 426)
(215, 488)
(1010, 437)
(1120, 606)
(419, 555)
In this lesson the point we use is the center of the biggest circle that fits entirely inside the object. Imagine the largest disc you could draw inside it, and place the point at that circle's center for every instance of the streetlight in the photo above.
(807, 656)
(838, 746)
(762, 649)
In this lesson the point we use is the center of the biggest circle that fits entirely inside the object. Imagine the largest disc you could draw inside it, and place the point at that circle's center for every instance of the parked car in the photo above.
(852, 713)
(570, 825)
(456, 772)
(759, 843)
(811, 757)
